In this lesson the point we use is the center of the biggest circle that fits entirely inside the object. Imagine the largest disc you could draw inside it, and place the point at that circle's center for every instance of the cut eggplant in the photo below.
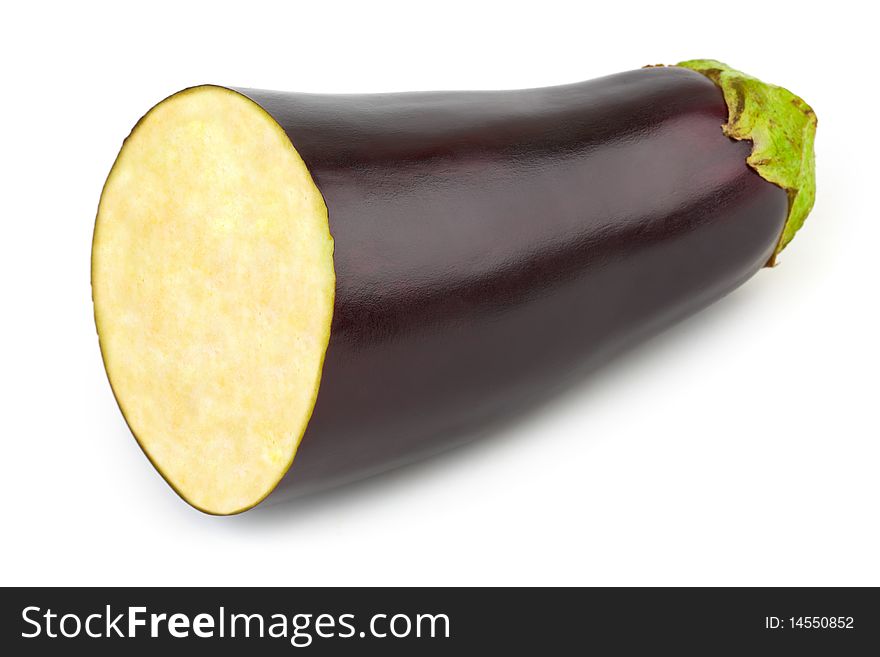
(487, 244)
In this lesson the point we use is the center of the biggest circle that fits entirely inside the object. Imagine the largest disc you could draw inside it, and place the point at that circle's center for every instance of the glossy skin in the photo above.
(491, 244)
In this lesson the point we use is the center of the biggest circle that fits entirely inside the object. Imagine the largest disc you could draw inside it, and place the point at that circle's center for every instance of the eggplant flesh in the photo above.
(487, 246)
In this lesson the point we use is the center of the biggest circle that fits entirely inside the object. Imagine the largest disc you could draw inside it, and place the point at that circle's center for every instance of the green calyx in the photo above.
(782, 129)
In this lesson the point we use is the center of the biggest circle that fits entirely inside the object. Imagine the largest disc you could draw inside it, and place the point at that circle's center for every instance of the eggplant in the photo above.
(293, 291)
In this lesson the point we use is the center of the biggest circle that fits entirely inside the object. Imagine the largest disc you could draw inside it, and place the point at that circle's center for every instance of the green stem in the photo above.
(782, 129)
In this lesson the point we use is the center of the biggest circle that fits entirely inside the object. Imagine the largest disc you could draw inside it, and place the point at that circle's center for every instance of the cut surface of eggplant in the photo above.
(487, 246)
(213, 284)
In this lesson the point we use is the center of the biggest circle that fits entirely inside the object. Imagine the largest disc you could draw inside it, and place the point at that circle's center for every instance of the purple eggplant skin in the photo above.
(489, 244)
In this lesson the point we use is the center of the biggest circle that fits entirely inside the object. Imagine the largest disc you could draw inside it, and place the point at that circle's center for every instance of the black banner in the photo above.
(112, 621)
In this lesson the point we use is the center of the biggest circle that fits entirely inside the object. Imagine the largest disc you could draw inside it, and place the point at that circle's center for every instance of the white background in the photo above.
(740, 447)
